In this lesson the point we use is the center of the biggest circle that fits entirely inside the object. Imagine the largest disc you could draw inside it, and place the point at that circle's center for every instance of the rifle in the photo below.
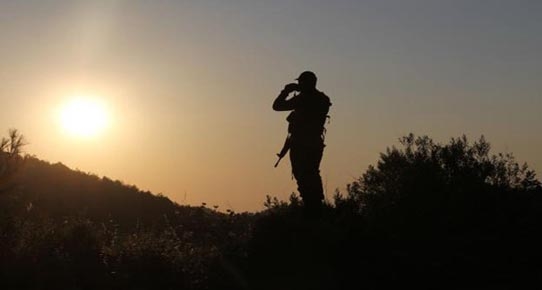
(284, 149)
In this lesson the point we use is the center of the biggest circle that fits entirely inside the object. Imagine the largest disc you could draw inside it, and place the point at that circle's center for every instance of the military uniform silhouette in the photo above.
(305, 139)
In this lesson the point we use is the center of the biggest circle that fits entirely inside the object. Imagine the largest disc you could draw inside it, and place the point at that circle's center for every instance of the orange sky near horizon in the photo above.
(188, 86)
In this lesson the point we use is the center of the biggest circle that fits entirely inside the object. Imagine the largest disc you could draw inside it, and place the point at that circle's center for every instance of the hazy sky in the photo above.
(189, 85)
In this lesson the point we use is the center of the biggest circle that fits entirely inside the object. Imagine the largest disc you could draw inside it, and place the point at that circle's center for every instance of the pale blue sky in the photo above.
(190, 84)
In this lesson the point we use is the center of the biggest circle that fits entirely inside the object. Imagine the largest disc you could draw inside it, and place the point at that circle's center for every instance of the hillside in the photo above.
(55, 191)
(69, 229)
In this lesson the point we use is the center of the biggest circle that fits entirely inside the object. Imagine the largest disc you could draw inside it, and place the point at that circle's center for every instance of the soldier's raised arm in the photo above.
(281, 103)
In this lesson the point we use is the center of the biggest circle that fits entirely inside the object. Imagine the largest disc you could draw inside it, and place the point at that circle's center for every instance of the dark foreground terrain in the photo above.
(427, 215)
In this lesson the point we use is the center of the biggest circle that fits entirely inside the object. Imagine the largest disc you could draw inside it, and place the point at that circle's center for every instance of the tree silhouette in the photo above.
(10, 159)
(429, 184)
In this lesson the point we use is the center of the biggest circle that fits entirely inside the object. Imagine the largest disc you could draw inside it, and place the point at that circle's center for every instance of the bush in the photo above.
(448, 212)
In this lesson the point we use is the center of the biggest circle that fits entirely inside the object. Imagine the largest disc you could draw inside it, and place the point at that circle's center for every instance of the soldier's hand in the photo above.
(290, 87)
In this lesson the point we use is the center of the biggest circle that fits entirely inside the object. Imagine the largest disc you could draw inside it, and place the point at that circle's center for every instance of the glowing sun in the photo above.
(84, 117)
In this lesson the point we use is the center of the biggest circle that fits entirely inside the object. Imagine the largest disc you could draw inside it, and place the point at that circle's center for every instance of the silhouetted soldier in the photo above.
(305, 139)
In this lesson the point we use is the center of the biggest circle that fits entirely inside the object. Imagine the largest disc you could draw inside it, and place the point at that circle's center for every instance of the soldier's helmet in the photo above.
(307, 79)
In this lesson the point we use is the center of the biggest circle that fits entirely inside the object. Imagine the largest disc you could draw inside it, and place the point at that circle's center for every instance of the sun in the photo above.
(84, 117)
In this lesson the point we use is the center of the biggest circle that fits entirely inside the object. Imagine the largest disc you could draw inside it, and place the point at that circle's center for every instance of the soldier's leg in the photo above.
(314, 181)
(299, 170)
(305, 167)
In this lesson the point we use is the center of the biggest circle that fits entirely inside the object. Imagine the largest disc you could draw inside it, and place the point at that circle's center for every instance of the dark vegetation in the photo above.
(427, 215)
